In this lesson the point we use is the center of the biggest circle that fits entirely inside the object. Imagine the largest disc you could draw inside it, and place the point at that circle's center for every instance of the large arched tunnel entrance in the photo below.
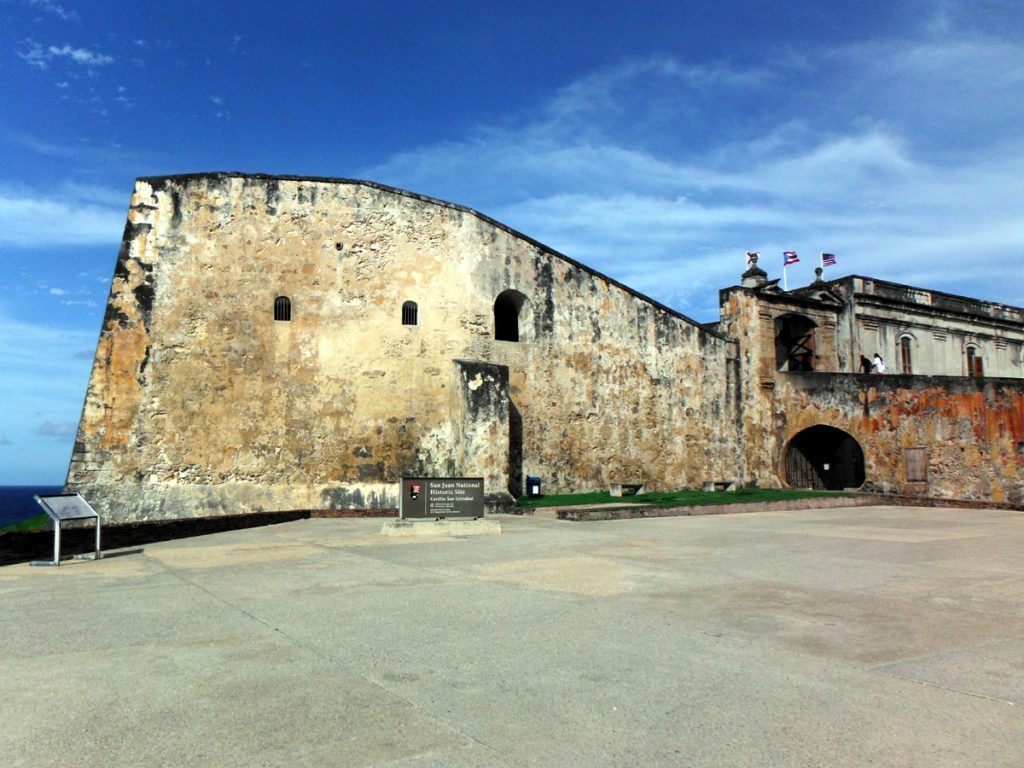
(825, 459)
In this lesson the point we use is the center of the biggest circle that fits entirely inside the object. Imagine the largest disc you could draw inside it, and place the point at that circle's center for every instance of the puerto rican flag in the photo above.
(789, 257)
(828, 259)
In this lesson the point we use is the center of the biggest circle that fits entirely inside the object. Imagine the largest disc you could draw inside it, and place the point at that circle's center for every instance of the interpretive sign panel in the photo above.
(64, 507)
(67, 506)
(442, 497)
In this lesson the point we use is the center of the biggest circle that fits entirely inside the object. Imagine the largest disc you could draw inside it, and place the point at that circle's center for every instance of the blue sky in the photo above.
(655, 141)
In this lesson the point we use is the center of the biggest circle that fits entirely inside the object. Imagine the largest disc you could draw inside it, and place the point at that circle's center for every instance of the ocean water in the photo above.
(17, 504)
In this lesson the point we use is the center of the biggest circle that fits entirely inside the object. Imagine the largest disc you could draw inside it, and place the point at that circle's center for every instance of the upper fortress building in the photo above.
(276, 342)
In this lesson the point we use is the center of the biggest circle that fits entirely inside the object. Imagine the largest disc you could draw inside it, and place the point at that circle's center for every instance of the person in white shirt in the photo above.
(878, 364)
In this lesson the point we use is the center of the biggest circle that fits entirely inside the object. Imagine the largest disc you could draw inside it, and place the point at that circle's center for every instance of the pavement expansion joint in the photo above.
(947, 688)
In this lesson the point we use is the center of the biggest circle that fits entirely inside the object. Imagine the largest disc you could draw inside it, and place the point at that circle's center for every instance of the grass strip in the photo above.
(686, 497)
(38, 523)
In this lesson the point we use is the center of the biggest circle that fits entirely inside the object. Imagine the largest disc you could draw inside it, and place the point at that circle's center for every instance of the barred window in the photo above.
(283, 309)
(410, 313)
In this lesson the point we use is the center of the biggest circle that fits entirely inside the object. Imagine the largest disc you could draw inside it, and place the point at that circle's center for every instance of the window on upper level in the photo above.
(794, 343)
(283, 309)
(410, 313)
(507, 308)
(906, 362)
(974, 365)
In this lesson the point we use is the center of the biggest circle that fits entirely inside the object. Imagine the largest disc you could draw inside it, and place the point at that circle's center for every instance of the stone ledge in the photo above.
(634, 512)
(440, 528)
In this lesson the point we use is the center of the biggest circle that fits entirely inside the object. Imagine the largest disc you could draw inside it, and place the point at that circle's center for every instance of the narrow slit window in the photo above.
(905, 355)
(410, 313)
(975, 367)
(283, 309)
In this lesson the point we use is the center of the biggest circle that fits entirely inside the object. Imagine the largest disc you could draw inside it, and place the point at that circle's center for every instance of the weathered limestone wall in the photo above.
(200, 403)
(972, 430)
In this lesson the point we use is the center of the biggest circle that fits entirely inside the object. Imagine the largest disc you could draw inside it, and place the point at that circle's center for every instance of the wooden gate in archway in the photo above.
(825, 459)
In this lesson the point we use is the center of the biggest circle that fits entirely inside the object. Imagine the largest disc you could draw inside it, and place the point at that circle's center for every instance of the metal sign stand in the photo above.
(68, 506)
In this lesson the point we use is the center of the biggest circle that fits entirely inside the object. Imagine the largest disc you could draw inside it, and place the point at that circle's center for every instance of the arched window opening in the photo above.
(794, 343)
(974, 365)
(825, 459)
(506, 315)
(906, 363)
(283, 309)
(410, 313)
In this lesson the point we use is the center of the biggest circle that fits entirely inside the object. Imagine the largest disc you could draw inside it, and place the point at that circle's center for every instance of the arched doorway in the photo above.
(825, 459)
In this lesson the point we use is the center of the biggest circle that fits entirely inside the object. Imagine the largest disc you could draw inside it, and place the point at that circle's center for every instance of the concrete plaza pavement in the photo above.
(887, 636)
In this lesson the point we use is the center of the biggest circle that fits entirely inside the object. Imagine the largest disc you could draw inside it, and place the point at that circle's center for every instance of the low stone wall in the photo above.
(971, 430)
(633, 512)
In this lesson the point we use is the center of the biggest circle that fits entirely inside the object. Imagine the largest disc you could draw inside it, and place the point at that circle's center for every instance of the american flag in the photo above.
(828, 259)
(789, 257)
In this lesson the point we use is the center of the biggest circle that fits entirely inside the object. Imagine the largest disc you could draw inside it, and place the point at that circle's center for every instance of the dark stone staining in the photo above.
(666, 331)
(273, 195)
(362, 452)
(343, 498)
(369, 472)
(144, 363)
(144, 295)
(489, 398)
(113, 316)
(544, 316)
(175, 196)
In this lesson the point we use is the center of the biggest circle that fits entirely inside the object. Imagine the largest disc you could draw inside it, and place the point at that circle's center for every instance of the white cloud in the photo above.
(77, 217)
(43, 371)
(667, 198)
(35, 55)
(38, 56)
(57, 10)
(81, 56)
(58, 292)
(62, 430)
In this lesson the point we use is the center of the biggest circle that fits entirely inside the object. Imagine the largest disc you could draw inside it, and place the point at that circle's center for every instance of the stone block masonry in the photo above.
(201, 403)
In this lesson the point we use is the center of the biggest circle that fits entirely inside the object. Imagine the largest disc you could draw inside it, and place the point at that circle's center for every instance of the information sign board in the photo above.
(67, 506)
(435, 497)
(64, 507)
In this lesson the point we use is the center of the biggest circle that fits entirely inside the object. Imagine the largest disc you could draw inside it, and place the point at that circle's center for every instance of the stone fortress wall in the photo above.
(945, 434)
(425, 339)
(200, 402)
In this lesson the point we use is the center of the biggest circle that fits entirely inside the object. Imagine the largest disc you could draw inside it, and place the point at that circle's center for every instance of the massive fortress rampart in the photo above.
(301, 343)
